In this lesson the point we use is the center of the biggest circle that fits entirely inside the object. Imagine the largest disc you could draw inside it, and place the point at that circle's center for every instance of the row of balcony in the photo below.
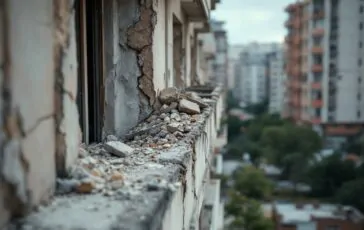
(297, 39)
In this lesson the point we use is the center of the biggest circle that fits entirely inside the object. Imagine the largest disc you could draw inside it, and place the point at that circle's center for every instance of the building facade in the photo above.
(325, 64)
(276, 81)
(78, 71)
(251, 72)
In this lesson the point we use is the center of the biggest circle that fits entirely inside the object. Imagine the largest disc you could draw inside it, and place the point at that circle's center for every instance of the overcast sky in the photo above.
(253, 20)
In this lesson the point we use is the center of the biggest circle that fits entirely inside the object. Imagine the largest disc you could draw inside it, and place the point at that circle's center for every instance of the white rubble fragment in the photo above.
(188, 107)
(118, 148)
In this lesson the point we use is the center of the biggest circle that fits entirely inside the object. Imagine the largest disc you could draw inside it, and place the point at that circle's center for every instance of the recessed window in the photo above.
(360, 62)
(358, 114)
(361, 26)
(360, 44)
(358, 96)
(359, 79)
(361, 9)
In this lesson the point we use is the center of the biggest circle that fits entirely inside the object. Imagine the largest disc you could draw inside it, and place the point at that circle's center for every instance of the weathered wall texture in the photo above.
(129, 84)
(65, 67)
(38, 112)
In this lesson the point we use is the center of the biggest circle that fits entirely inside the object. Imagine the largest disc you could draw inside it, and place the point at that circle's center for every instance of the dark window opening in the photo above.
(90, 77)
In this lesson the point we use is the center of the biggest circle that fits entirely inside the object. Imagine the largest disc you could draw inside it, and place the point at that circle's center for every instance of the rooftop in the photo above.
(293, 213)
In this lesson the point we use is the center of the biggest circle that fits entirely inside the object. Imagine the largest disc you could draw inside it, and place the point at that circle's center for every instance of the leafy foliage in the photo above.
(247, 214)
(290, 147)
(350, 193)
(252, 182)
(331, 173)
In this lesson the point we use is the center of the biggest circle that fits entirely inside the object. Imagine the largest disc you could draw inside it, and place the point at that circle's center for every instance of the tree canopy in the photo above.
(252, 182)
(247, 213)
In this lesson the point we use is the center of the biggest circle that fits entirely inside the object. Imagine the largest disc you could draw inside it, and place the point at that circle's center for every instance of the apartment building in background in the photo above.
(276, 81)
(325, 65)
(316, 216)
(251, 83)
(82, 114)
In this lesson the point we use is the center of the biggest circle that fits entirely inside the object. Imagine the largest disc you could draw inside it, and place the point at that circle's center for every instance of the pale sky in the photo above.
(253, 20)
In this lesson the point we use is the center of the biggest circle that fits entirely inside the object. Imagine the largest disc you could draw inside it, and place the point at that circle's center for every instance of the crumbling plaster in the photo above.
(39, 117)
(129, 83)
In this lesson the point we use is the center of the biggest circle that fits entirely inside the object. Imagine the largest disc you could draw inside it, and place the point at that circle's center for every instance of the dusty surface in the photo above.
(105, 191)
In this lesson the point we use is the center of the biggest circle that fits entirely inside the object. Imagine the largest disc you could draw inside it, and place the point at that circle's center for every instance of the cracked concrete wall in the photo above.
(35, 68)
(129, 83)
(65, 68)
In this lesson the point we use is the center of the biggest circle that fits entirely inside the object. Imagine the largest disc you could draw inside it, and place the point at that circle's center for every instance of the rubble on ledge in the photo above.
(132, 179)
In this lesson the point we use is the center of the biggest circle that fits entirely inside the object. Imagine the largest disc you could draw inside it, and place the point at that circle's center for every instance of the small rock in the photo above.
(169, 95)
(66, 186)
(154, 131)
(187, 129)
(82, 152)
(96, 172)
(188, 107)
(115, 185)
(116, 176)
(152, 118)
(162, 133)
(109, 193)
(86, 186)
(175, 116)
(163, 115)
(167, 145)
(167, 119)
(118, 148)
(178, 134)
(111, 138)
(174, 127)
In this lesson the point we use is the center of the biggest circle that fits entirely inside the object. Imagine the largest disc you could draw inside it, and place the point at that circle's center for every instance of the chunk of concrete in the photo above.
(118, 149)
(188, 107)
(174, 127)
(169, 95)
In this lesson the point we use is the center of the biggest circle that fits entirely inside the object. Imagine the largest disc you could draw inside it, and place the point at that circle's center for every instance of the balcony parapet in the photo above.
(155, 179)
(198, 10)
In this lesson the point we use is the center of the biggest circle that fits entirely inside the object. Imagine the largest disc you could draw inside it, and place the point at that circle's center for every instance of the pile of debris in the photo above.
(104, 168)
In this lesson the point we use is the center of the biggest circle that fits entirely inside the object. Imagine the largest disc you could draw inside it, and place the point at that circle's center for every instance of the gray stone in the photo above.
(111, 138)
(66, 186)
(162, 133)
(169, 95)
(188, 107)
(167, 119)
(118, 148)
(174, 127)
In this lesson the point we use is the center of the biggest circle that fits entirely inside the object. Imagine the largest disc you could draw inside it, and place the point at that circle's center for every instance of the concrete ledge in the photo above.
(164, 191)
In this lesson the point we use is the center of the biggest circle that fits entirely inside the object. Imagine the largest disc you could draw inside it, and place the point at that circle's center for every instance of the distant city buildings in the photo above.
(251, 83)
(276, 81)
(324, 69)
(316, 216)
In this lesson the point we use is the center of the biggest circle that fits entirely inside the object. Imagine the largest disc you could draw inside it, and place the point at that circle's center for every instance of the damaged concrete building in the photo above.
(93, 134)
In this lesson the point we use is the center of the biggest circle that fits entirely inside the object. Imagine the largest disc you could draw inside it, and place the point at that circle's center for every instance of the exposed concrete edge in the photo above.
(179, 158)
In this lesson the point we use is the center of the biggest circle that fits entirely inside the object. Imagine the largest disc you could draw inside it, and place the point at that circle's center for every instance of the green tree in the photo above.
(290, 147)
(350, 193)
(232, 102)
(247, 214)
(328, 175)
(252, 182)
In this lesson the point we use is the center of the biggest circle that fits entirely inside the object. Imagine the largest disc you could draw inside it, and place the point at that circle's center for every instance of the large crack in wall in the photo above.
(13, 165)
(129, 84)
(140, 38)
